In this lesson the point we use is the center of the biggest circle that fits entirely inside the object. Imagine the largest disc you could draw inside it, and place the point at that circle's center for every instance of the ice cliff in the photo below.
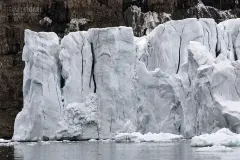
(182, 78)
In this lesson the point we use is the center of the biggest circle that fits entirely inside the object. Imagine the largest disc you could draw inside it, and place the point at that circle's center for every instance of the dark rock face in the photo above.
(143, 23)
(14, 18)
(202, 11)
(222, 4)
(17, 15)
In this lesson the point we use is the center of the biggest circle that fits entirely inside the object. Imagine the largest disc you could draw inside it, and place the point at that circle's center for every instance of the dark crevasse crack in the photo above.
(111, 124)
(217, 50)
(82, 60)
(92, 70)
(98, 131)
(62, 81)
(82, 72)
(209, 35)
(179, 59)
(235, 34)
(180, 45)
(235, 55)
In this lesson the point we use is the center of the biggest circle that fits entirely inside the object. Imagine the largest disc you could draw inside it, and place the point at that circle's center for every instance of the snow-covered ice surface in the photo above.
(181, 79)
(222, 137)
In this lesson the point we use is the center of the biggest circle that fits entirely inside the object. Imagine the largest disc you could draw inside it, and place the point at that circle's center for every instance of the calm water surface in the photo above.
(111, 151)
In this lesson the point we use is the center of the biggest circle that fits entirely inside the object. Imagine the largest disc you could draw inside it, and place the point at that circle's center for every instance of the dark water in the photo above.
(111, 151)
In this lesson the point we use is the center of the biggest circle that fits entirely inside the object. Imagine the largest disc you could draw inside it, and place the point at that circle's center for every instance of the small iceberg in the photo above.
(223, 137)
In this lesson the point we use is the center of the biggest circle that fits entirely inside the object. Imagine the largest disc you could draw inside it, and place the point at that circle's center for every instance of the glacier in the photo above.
(182, 78)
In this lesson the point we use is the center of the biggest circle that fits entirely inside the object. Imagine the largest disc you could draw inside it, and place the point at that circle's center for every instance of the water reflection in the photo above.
(110, 151)
(6, 153)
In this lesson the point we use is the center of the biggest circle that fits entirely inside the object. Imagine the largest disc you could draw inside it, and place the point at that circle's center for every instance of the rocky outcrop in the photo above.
(200, 10)
(72, 15)
(143, 23)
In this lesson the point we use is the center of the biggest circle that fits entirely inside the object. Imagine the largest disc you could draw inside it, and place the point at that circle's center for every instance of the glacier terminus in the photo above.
(182, 78)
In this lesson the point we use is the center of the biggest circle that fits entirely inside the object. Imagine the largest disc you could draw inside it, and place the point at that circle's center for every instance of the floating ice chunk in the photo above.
(32, 144)
(105, 140)
(222, 137)
(44, 142)
(4, 141)
(92, 140)
(149, 137)
(215, 148)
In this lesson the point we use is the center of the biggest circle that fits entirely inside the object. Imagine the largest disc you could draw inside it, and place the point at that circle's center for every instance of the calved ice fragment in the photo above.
(223, 137)
(215, 148)
(149, 137)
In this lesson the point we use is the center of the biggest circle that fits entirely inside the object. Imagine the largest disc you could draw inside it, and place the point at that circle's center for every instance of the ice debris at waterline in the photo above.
(222, 137)
(214, 149)
(4, 141)
(149, 137)
(183, 78)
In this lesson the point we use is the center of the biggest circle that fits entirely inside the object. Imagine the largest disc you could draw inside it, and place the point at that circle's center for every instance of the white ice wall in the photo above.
(229, 38)
(115, 82)
(167, 44)
(41, 88)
